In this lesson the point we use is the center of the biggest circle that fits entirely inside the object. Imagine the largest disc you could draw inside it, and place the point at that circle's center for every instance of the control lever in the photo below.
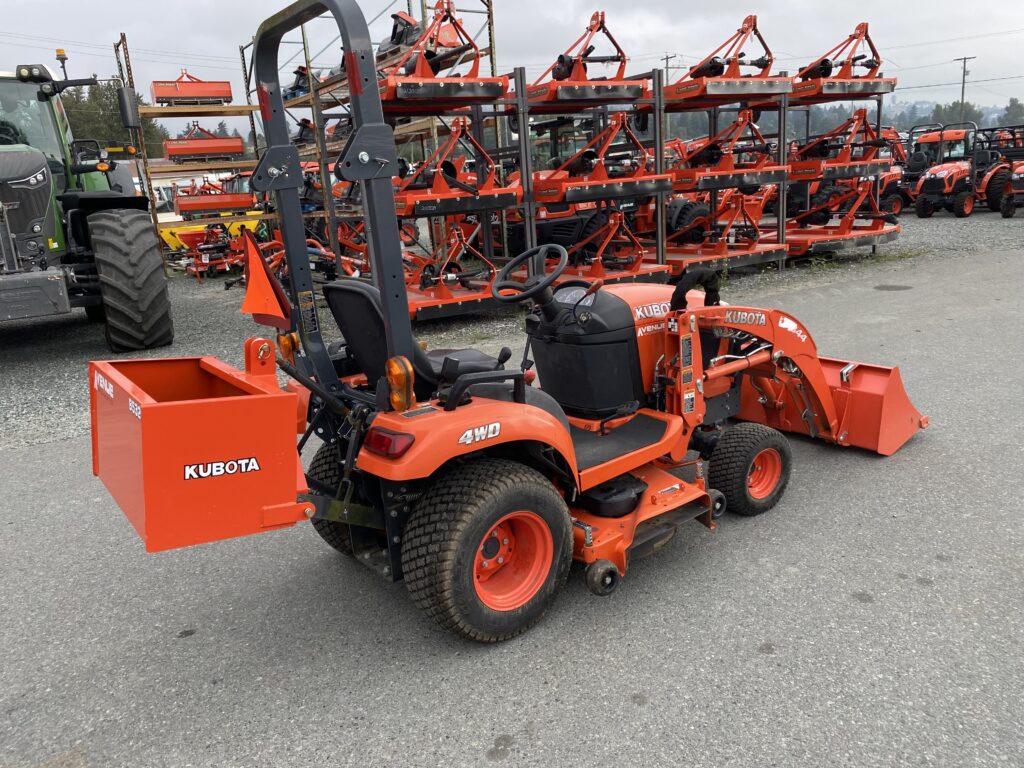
(626, 409)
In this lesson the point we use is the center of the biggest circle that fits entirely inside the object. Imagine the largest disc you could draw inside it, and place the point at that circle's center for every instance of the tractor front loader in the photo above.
(445, 468)
(68, 236)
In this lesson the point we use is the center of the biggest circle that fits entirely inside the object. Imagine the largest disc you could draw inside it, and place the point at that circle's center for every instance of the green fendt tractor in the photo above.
(71, 234)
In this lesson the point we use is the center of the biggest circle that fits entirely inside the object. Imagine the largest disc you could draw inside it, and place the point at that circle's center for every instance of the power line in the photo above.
(957, 82)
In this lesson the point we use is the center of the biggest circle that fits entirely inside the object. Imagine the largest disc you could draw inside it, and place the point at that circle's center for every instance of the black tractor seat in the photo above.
(356, 307)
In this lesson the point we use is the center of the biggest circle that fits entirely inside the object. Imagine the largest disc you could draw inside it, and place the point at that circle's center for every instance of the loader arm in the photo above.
(789, 387)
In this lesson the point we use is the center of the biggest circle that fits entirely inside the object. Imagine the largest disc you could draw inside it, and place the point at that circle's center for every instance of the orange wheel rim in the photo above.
(512, 561)
(765, 471)
(968, 205)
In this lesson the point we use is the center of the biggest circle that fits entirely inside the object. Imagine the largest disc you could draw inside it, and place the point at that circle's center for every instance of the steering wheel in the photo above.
(10, 133)
(537, 283)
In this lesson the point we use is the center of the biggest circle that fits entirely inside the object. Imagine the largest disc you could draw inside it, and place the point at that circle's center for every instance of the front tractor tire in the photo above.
(751, 464)
(924, 208)
(133, 285)
(1008, 207)
(487, 548)
(963, 204)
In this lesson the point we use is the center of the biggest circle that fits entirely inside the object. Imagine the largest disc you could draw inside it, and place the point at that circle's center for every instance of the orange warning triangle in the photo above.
(264, 297)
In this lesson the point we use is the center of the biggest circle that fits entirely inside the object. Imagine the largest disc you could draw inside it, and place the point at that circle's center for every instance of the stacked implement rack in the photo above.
(581, 199)
(839, 207)
(448, 471)
(416, 78)
(192, 98)
(836, 175)
(714, 218)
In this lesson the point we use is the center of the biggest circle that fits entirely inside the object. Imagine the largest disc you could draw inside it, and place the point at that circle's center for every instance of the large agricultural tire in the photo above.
(924, 208)
(487, 548)
(326, 469)
(826, 196)
(750, 465)
(689, 217)
(994, 190)
(132, 280)
(963, 204)
(1008, 207)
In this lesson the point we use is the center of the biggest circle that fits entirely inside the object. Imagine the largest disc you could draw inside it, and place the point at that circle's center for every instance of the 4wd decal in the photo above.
(651, 311)
(219, 468)
(745, 318)
(476, 434)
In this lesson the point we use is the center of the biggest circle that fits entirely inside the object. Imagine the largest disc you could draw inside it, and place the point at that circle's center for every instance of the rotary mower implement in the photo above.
(836, 75)
(568, 84)
(737, 156)
(414, 81)
(203, 145)
(720, 79)
(445, 468)
(190, 90)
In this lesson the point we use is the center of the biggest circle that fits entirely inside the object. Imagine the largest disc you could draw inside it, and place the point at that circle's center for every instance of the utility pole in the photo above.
(667, 58)
(963, 82)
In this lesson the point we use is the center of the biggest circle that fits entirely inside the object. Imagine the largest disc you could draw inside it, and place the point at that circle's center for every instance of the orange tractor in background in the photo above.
(968, 167)
(448, 468)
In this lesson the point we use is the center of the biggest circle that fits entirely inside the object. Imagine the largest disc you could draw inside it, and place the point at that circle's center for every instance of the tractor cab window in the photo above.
(24, 119)
(930, 149)
(956, 150)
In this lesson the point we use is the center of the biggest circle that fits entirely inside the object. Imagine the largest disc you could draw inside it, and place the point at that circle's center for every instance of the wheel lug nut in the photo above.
(504, 541)
(486, 564)
(501, 560)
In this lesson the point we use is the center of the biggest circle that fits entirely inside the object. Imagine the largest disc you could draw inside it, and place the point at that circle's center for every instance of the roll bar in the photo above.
(369, 157)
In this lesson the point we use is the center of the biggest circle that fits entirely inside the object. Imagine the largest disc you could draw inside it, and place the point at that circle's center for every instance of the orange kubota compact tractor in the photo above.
(446, 469)
(968, 168)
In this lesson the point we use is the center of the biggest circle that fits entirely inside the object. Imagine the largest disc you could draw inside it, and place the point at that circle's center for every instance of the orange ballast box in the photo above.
(193, 450)
(203, 147)
(190, 91)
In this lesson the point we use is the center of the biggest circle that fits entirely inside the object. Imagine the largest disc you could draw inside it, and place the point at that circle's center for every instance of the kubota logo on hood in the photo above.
(651, 311)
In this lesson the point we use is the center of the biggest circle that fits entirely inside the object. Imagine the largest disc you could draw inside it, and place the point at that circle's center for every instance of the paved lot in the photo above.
(875, 618)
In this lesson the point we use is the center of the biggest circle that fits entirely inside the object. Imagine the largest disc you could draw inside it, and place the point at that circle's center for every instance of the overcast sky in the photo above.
(917, 45)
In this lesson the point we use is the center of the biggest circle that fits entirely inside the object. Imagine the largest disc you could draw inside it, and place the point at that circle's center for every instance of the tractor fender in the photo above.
(479, 425)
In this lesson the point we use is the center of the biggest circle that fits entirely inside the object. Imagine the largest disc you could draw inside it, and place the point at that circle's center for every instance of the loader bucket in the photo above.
(871, 406)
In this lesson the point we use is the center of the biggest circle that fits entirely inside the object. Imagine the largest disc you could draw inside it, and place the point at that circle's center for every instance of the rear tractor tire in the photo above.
(995, 189)
(132, 280)
(750, 465)
(326, 469)
(487, 548)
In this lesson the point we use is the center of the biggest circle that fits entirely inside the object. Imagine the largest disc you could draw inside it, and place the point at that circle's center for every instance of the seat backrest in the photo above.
(356, 307)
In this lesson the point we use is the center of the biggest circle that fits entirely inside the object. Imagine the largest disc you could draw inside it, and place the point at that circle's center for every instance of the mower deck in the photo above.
(834, 237)
(722, 255)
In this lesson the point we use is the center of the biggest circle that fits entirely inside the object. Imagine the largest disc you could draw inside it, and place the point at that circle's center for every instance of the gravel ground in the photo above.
(875, 618)
(45, 397)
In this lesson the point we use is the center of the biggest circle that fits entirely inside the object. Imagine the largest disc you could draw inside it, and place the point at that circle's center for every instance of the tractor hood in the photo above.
(945, 169)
